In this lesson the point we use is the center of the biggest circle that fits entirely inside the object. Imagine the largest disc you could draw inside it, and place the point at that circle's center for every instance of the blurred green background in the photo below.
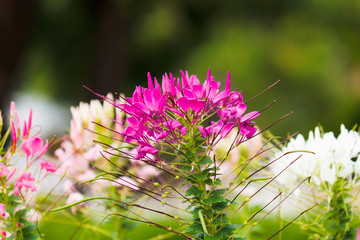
(49, 49)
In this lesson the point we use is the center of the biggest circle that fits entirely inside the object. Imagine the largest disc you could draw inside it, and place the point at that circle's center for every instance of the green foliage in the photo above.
(338, 221)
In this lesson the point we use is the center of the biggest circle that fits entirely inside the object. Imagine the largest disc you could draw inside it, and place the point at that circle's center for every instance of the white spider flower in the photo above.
(323, 157)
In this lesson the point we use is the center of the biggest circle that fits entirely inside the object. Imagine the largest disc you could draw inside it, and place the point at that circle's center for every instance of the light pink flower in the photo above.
(5, 171)
(93, 153)
(48, 166)
(26, 181)
(147, 171)
(73, 162)
(87, 175)
(73, 198)
(34, 146)
(3, 212)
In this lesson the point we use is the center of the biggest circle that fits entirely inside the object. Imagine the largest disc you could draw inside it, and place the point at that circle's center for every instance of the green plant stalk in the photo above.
(337, 223)
(206, 203)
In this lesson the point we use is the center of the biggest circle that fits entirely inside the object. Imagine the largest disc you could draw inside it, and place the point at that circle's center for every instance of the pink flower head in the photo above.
(5, 171)
(48, 166)
(26, 181)
(34, 146)
(167, 113)
(2, 210)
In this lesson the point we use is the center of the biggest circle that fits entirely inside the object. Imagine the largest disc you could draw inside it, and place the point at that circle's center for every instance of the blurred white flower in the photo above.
(322, 156)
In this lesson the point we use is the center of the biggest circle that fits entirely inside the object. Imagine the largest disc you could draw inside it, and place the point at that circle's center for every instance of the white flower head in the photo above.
(323, 157)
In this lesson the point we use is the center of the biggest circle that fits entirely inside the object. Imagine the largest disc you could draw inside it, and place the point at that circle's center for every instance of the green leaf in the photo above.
(219, 191)
(195, 228)
(204, 160)
(193, 191)
(229, 229)
(214, 237)
(186, 168)
(201, 176)
(220, 205)
(210, 182)
(222, 219)
(215, 198)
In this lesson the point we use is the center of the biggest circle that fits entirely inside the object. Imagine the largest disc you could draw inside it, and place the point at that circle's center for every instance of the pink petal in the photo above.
(221, 96)
(13, 131)
(208, 78)
(26, 147)
(43, 149)
(36, 145)
(148, 99)
(197, 105)
(150, 83)
(250, 116)
(227, 85)
(183, 104)
(226, 129)
(188, 93)
(141, 107)
(198, 91)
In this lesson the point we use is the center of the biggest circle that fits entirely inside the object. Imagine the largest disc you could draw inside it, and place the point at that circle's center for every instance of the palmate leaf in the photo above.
(193, 191)
(204, 160)
(194, 228)
(201, 176)
(214, 198)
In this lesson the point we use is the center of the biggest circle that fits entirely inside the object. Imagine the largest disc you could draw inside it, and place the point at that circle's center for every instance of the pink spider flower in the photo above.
(26, 181)
(168, 112)
(5, 171)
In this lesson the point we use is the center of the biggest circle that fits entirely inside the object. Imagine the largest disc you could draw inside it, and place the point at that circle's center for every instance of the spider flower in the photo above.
(172, 111)
(175, 126)
(323, 157)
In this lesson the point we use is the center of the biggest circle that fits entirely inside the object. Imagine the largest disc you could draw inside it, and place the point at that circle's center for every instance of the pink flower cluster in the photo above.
(32, 146)
(164, 113)
(18, 183)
